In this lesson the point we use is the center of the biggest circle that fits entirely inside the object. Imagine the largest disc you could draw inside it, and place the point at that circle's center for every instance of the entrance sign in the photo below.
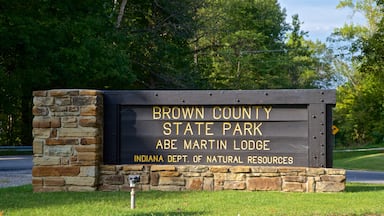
(250, 128)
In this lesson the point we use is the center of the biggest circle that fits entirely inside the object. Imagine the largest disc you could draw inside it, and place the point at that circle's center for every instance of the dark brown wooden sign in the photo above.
(260, 128)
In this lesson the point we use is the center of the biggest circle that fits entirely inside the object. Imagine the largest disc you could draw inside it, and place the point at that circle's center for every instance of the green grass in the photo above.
(359, 199)
(362, 146)
(365, 160)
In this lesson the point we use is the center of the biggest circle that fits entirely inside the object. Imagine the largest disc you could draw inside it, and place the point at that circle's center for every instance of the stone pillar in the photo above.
(67, 145)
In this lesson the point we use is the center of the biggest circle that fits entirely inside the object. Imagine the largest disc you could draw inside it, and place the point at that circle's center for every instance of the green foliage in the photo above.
(239, 39)
(360, 108)
(160, 53)
(369, 9)
(244, 45)
(161, 44)
(308, 62)
(54, 44)
(359, 112)
(372, 69)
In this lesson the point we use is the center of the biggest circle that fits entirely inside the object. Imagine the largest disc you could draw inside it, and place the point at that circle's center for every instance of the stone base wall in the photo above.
(68, 146)
(214, 178)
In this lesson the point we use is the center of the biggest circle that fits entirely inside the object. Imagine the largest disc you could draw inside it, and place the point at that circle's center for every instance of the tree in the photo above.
(308, 63)
(49, 44)
(237, 38)
(249, 45)
(347, 41)
(359, 110)
(372, 69)
(149, 44)
(54, 44)
(160, 30)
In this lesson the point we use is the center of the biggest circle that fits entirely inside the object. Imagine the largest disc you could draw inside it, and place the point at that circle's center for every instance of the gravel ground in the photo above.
(15, 178)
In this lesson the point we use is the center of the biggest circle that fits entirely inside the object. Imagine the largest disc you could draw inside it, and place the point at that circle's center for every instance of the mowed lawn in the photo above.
(359, 160)
(358, 199)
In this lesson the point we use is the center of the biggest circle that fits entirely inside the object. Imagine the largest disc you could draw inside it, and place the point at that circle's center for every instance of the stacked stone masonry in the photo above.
(213, 178)
(68, 146)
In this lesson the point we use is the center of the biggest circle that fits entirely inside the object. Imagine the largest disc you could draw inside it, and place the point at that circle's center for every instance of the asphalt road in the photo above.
(16, 170)
(16, 163)
(365, 176)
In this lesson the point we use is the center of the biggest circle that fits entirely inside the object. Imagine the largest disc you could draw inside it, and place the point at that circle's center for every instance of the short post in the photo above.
(133, 179)
(133, 198)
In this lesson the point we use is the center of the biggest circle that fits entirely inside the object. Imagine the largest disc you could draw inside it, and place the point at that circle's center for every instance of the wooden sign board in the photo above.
(252, 128)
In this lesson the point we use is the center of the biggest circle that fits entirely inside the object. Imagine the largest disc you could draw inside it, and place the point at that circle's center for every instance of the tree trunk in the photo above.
(121, 13)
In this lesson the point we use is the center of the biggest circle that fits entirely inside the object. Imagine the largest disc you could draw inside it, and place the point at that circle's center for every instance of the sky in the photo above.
(320, 17)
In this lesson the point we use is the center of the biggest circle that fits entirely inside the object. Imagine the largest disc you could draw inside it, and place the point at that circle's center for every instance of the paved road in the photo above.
(365, 176)
(17, 170)
(16, 163)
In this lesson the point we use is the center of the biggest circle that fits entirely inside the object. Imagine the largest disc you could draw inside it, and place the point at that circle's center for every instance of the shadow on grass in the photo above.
(359, 187)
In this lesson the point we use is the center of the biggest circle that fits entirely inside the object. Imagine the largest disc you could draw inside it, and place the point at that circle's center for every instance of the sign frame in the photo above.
(319, 105)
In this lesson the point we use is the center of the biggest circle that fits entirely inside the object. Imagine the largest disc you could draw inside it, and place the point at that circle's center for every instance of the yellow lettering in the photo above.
(177, 124)
(257, 112)
(156, 112)
(233, 112)
(176, 112)
(220, 144)
(167, 128)
(148, 158)
(199, 112)
(199, 127)
(177, 158)
(166, 144)
(166, 111)
(188, 129)
(264, 145)
(251, 145)
(226, 112)
(237, 113)
(267, 111)
(256, 128)
(290, 160)
(226, 159)
(226, 126)
(203, 144)
(208, 129)
(270, 160)
(247, 112)
(242, 128)
(214, 114)
(247, 128)
(237, 130)
(187, 112)
(189, 144)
